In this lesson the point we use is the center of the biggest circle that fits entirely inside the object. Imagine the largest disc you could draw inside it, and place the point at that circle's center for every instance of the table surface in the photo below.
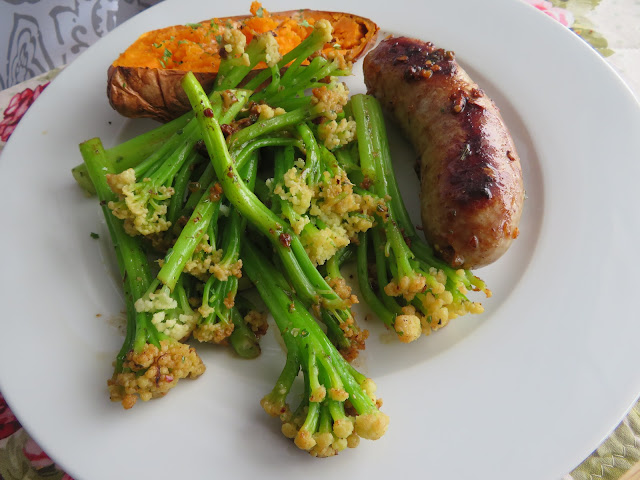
(610, 26)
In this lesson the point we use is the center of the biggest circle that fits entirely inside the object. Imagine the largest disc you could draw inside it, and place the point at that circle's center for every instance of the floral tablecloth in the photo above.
(610, 26)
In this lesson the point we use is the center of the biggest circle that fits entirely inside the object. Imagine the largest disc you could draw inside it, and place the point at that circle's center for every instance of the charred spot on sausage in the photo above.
(422, 61)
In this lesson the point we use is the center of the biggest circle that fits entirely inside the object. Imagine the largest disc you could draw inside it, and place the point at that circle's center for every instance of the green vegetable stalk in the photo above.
(308, 282)
(413, 292)
(339, 403)
(150, 362)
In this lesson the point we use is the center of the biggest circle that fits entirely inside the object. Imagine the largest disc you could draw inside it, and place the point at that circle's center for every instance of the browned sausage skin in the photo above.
(471, 179)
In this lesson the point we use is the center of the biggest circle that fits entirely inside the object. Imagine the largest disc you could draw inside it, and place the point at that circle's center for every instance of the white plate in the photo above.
(524, 391)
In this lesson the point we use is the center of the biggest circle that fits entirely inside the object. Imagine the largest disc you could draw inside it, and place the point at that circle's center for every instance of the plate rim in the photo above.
(71, 69)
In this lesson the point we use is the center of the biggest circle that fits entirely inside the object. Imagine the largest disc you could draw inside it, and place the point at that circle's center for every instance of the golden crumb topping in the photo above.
(154, 371)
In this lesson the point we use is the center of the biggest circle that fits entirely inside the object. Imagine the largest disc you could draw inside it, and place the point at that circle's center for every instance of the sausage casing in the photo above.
(471, 192)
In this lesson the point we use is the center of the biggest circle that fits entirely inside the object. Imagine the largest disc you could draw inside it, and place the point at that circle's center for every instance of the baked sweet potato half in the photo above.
(145, 79)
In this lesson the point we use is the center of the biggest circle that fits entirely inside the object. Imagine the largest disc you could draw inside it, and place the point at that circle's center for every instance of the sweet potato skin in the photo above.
(150, 92)
(156, 93)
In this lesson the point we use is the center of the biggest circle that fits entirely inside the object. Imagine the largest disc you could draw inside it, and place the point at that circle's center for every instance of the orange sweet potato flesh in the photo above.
(145, 79)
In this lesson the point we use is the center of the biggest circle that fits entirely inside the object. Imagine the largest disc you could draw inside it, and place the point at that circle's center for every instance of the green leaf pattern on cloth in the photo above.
(582, 25)
(616, 455)
(14, 464)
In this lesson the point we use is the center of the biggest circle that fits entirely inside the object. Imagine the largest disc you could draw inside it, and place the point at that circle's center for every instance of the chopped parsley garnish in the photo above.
(94, 235)
(260, 12)
(304, 23)
(165, 57)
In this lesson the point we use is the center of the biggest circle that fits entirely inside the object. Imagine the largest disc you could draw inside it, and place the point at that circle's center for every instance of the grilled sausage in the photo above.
(471, 192)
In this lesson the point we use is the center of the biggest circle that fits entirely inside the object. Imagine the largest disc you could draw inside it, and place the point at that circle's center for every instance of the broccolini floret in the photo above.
(412, 285)
(310, 285)
(339, 404)
(171, 312)
(150, 362)
(218, 300)
(205, 216)
(142, 204)
(163, 191)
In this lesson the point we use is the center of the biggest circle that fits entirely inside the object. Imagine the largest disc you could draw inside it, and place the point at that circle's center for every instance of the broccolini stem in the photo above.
(207, 177)
(240, 195)
(381, 269)
(164, 172)
(231, 73)
(370, 297)
(242, 339)
(308, 282)
(241, 138)
(289, 313)
(163, 165)
(219, 293)
(241, 159)
(314, 42)
(259, 143)
(130, 153)
(237, 223)
(285, 87)
(275, 401)
(334, 264)
(189, 238)
(186, 135)
(180, 185)
(370, 119)
(312, 164)
(296, 81)
(370, 124)
(132, 260)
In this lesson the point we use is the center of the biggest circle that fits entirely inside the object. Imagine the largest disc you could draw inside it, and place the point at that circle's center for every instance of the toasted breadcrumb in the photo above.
(265, 112)
(318, 394)
(234, 41)
(223, 271)
(213, 332)
(333, 202)
(406, 286)
(257, 322)
(343, 290)
(271, 49)
(334, 134)
(297, 192)
(154, 371)
(135, 200)
(372, 426)
(329, 100)
(203, 258)
(408, 325)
